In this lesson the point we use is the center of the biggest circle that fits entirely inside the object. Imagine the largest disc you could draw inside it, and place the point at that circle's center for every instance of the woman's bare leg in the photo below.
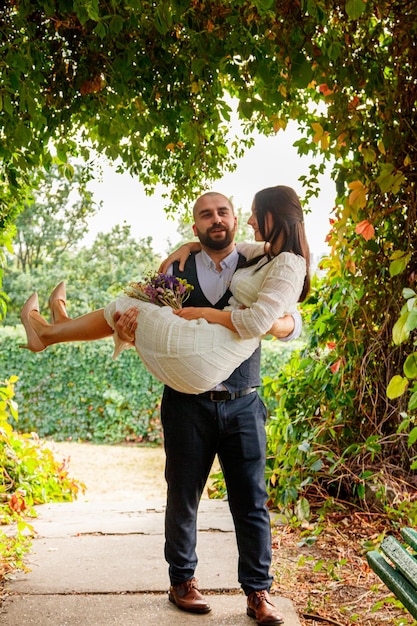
(88, 327)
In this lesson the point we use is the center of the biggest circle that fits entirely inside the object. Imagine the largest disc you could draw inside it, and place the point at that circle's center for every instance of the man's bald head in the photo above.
(211, 195)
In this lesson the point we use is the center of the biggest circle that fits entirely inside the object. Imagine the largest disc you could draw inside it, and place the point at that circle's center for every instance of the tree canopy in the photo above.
(146, 82)
(150, 84)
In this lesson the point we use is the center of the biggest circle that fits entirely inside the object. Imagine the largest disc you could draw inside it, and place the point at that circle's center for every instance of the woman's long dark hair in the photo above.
(284, 206)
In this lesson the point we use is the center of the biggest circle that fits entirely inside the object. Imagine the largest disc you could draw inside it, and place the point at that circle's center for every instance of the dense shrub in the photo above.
(318, 455)
(76, 391)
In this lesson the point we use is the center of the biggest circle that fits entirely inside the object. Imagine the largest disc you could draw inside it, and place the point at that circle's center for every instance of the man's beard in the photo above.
(216, 244)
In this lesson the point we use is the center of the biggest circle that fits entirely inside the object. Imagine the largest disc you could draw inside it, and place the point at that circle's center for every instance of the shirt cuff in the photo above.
(298, 325)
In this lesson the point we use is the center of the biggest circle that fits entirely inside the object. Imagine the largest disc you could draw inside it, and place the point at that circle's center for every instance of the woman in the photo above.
(195, 348)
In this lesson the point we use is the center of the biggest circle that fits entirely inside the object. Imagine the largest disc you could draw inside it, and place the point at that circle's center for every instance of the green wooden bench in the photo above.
(402, 578)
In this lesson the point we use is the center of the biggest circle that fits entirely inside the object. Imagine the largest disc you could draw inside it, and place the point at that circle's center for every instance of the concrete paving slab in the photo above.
(101, 563)
(146, 517)
(117, 564)
(129, 610)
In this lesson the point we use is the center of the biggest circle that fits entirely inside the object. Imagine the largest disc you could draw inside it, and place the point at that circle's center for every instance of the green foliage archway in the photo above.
(147, 82)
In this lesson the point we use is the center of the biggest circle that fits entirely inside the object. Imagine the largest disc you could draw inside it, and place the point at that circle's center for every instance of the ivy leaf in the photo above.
(369, 155)
(316, 466)
(100, 30)
(246, 108)
(355, 8)
(410, 366)
(163, 18)
(390, 179)
(408, 293)
(381, 147)
(412, 403)
(396, 387)
(302, 71)
(357, 197)
(412, 437)
(92, 9)
(373, 247)
(399, 331)
(399, 261)
(302, 509)
(361, 490)
(365, 229)
(116, 24)
(411, 322)
(321, 136)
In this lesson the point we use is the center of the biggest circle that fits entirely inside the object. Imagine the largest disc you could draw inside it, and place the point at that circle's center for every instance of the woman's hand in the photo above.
(194, 312)
(213, 316)
(181, 254)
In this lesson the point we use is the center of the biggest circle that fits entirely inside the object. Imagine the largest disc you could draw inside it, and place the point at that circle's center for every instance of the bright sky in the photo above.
(272, 161)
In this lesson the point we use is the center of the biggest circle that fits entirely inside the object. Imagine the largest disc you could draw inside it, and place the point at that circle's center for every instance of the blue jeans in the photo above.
(195, 429)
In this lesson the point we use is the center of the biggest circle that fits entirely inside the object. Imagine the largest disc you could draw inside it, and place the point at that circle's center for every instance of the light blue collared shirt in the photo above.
(215, 283)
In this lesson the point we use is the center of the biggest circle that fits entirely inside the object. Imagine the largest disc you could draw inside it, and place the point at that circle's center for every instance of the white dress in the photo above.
(195, 356)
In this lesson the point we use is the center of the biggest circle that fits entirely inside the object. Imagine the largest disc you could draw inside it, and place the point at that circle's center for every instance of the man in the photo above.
(228, 421)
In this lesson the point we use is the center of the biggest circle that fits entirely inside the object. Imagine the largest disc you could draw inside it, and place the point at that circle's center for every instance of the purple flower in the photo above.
(161, 289)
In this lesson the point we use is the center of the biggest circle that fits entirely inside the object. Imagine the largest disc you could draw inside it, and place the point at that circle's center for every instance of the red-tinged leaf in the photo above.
(353, 103)
(17, 503)
(350, 266)
(365, 229)
(325, 90)
(331, 345)
(336, 366)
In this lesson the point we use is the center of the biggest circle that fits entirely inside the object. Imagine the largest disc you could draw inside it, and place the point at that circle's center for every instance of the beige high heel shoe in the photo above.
(59, 293)
(34, 344)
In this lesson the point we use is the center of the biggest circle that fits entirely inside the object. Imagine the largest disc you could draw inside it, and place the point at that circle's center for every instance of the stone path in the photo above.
(98, 563)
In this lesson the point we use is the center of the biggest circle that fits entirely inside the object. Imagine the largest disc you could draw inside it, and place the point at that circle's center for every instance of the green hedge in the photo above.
(77, 392)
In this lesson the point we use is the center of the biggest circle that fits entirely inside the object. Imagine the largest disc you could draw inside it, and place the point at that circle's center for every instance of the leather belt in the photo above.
(224, 396)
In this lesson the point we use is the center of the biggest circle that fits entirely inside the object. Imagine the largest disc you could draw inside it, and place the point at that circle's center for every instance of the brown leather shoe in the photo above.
(187, 597)
(261, 608)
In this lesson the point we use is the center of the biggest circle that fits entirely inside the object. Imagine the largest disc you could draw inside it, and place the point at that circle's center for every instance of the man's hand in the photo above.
(282, 327)
(126, 324)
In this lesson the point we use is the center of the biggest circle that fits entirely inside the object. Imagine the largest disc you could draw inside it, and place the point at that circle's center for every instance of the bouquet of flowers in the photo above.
(161, 289)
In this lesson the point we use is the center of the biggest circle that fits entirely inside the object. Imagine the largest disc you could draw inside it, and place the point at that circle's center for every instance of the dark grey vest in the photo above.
(248, 373)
